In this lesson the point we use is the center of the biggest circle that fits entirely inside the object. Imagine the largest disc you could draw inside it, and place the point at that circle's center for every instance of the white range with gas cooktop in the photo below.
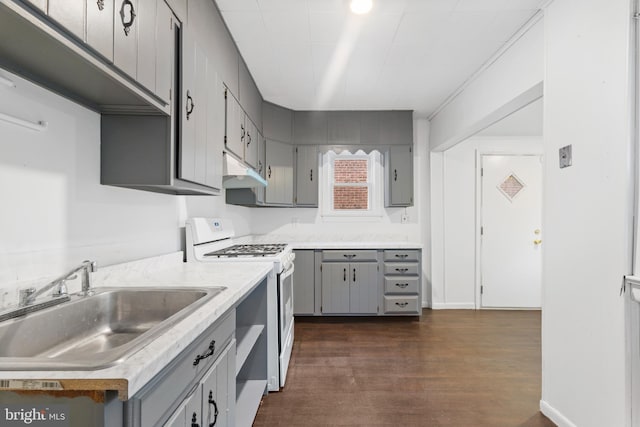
(212, 240)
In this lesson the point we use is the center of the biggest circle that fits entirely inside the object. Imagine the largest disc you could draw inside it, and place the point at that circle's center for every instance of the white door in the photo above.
(511, 234)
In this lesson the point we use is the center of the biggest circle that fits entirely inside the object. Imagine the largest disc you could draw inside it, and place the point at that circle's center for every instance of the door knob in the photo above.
(537, 242)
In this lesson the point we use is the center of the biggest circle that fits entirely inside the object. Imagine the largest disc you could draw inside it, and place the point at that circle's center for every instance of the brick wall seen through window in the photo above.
(346, 195)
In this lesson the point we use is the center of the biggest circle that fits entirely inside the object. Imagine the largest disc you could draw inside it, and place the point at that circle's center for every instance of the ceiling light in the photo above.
(360, 7)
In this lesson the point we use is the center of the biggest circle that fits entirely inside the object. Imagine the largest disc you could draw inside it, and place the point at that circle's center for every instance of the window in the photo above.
(351, 184)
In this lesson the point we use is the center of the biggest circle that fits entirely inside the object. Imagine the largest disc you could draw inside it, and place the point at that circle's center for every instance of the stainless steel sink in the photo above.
(96, 331)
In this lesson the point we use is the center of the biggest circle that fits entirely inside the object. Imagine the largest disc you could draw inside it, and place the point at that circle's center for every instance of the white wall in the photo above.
(454, 237)
(490, 96)
(586, 215)
(54, 211)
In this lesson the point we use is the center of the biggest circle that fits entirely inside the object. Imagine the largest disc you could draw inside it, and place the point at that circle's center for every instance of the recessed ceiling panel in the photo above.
(405, 53)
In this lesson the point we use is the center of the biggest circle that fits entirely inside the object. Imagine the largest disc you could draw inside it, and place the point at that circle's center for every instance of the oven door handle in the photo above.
(288, 272)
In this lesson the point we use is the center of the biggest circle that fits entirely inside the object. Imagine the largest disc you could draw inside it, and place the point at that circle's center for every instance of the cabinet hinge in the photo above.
(481, 171)
(410, 149)
(170, 94)
(481, 289)
(482, 231)
(296, 149)
(320, 267)
(411, 200)
(171, 22)
(378, 267)
(295, 200)
(225, 140)
(225, 94)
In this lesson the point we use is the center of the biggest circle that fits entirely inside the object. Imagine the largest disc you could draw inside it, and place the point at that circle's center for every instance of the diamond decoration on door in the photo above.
(511, 186)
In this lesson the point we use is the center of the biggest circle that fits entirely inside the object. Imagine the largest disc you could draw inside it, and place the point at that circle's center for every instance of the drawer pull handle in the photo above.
(209, 353)
(349, 256)
(402, 304)
(402, 285)
(402, 270)
(354, 274)
(215, 409)
(194, 420)
(402, 255)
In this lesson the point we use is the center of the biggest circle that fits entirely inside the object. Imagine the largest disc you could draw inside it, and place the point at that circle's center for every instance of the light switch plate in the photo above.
(565, 156)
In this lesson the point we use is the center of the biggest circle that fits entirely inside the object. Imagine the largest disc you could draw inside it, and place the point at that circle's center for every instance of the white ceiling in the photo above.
(405, 54)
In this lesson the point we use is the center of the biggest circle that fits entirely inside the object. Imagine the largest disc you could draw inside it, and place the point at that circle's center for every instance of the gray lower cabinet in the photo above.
(183, 386)
(350, 288)
(383, 282)
(306, 176)
(279, 173)
(304, 283)
(402, 284)
(209, 401)
(399, 176)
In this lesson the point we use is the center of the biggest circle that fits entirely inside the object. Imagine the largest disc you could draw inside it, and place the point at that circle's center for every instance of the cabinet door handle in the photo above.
(349, 256)
(402, 255)
(344, 275)
(190, 105)
(269, 171)
(395, 174)
(215, 409)
(126, 24)
(402, 270)
(248, 139)
(354, 274)
(402, 285)
(242, 132)
(194, 420)
(402, 304)
(209, 353)
(311, 174)
(100, 4)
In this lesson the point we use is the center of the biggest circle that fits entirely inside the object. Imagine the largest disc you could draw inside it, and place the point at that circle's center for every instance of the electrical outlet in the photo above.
(565, 156)
(404, 218)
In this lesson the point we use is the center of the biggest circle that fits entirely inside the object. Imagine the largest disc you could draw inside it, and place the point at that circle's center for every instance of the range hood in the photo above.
(238, 175)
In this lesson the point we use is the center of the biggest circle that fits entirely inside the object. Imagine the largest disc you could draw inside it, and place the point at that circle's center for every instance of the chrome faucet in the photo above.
(29, 295)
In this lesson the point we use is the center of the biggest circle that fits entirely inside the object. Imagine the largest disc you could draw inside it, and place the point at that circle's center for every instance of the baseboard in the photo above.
(554, 415)
(453, 306)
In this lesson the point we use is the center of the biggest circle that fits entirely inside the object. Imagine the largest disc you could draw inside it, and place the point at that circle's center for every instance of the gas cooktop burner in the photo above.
(255, 250)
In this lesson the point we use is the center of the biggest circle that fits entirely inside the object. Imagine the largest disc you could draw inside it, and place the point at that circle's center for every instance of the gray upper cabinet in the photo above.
(279, 173)
(399, 176)
(306, 176)
(277, 122)
(249, 95)
(165, 55)
(125, 40)
(370, 127)
(252, 139)
(343, 127)
(200, 158)
(310, 127)
(236, 130)
(40, 4)
(396, 127)
(100, 16)
(70, 14)
(146, 55)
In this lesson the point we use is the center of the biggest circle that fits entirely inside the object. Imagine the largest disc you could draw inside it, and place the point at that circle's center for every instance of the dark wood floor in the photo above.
(450, 368)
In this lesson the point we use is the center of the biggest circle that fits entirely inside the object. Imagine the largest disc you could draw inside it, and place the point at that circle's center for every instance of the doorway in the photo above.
(509, 213)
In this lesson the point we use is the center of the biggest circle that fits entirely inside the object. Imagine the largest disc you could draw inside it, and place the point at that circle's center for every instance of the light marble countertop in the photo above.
(164, 271)
(314, 241)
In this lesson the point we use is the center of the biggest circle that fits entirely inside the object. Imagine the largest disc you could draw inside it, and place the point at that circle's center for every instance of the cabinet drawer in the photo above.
(401, 304)
(158, 397)
(401, 269)
(401, 255)
(401, 285)
(347, 255)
